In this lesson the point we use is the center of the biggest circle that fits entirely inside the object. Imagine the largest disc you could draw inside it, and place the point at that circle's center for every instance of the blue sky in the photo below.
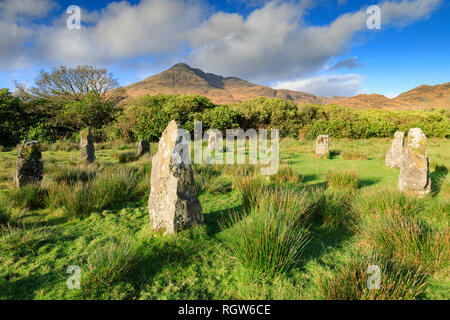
(321, 47)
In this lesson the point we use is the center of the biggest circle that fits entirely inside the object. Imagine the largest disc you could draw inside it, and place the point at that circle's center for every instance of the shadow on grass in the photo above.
(213, 219)
(334, 153)
(366, 182)
(14, 288)
(437, 179)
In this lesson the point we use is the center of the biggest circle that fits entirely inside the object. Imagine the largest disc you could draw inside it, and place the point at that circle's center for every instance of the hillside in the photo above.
(182, 79)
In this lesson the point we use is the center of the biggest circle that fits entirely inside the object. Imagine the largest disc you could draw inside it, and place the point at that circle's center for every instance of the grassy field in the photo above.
(309, 232)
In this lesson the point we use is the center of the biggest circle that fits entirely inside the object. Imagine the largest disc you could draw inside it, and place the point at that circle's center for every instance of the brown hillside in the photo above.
(182, 79)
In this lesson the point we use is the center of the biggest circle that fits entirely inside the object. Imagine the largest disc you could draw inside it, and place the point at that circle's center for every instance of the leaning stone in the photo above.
(322, 146)
(143, 147)
(30, 168)
(415, 172)
(173, 203)
(87, 146)
(394, 156)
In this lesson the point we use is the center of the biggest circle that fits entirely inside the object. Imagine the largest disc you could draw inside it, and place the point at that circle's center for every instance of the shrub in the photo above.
(286, 175)
(72, 175)
(340, 180)
(108, 264)
(112, 188)
(388, 202)
(30, 196)
(204, 177)
(79, 201)
(125, 157)
(407, 240)
(267, 240)
(349, 281)
(250, 188)
(336, 210)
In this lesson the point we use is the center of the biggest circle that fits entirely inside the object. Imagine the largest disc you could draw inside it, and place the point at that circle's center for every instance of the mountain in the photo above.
(182, 79)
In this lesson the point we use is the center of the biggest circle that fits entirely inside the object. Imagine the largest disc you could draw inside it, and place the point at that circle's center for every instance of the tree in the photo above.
(69, 84)
(12, 118)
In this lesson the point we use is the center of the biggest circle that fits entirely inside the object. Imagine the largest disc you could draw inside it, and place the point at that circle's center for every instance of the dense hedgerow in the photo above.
(146, 118)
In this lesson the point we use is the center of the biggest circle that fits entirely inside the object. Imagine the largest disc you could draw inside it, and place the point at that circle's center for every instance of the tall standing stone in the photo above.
(143, 147)
(414, 171)
(322, 146)
(212, 141)
(173, 203)
(394, 156)
(30, 168)
(87, 146)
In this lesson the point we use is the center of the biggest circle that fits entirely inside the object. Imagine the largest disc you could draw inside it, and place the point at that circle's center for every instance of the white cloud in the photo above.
(12, 9)
(349, 63)
(273, 42)
(326, 86)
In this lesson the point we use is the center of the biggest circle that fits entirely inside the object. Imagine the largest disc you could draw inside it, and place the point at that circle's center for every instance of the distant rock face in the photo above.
(394, 156)
(212, 141)
(87, 146)
(30, 168)
(173, 203)
(143, 148)
(414, 171)
(322, 145)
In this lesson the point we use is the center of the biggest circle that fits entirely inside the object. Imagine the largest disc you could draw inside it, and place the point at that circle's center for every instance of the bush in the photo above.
(336, 210)
(30, 196)
(112, 188)
(349, 281)
(388, 202)
(73, 175)
(108, 264)
(78, 201)
(286, 175)
(125, 157)
(343, 180)
(270, 239)
(407, 240)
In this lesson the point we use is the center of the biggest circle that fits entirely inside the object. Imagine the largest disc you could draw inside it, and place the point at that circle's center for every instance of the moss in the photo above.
(30, 149)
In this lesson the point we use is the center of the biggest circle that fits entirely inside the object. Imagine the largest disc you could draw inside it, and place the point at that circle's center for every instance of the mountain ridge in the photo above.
(183, 79)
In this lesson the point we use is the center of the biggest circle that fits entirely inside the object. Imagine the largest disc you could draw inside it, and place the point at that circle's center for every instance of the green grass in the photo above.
(91, 217)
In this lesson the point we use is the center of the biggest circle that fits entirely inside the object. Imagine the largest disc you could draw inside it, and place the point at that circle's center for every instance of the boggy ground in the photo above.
(310, 232)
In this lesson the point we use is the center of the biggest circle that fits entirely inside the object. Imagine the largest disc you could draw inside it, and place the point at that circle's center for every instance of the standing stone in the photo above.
(322, 146)
(394, 156)
(414, 171)
(143, 148)
(87, 146)
(212, 141)
(30, 168)
(173, 203)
